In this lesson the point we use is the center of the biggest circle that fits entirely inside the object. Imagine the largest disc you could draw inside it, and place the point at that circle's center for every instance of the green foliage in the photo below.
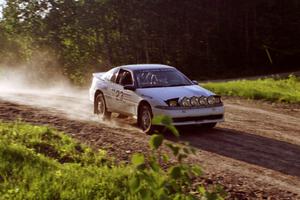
(138, 159)
(40, 163)
(282, 90)
(89, 36)
(151, 181)
(50, 143)
(156, 141)
(166, 122)
(31, 171)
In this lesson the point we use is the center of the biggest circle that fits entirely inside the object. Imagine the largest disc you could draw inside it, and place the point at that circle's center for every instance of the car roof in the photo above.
(145, 67)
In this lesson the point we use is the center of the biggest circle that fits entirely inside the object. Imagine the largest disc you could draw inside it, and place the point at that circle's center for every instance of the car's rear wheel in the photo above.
(101, 110)
(145, 119)
(209, 125)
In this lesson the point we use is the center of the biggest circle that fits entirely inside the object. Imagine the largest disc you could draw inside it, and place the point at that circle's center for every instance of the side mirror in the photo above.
(195, 82)
(129, 87)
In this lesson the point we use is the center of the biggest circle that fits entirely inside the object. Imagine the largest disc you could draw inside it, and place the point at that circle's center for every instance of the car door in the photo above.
(109, 91)
(127, 98)
(114, 102)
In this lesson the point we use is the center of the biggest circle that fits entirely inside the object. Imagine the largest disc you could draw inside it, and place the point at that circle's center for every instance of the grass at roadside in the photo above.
(281, 90)
(41, 163)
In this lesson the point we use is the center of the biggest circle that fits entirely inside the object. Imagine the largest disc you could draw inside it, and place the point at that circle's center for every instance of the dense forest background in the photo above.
(203, 38)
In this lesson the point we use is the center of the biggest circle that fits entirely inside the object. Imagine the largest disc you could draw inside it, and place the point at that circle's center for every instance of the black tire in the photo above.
(145, 119)
(209, 125)
(100, 107)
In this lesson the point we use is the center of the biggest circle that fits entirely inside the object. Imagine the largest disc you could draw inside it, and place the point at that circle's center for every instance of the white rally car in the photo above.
(146, 91)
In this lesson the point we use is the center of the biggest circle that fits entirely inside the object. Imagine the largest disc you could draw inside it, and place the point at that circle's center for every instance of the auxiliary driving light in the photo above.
(203, 101)
(186, 102)
(195, 101)
(211, 100)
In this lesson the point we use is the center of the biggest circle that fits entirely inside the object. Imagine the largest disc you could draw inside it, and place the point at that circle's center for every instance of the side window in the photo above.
(111, 75)
(114, 76)
(127, 79)
(124, 78)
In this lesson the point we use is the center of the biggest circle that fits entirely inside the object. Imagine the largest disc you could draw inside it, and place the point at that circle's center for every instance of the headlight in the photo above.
(203, 101)
(211, 100)
(172, 102)
(195, 101)
(186, 102)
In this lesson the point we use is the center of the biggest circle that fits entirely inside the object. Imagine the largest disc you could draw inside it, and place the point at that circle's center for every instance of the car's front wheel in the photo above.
(101, 110)
(145, 119)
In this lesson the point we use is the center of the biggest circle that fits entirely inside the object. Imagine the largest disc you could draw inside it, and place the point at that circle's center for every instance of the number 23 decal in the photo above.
(119, 95)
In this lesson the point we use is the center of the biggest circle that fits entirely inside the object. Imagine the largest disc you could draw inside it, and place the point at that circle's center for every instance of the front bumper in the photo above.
(192, 116)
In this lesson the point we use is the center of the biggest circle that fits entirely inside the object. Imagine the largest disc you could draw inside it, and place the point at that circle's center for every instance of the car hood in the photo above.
(166, 93)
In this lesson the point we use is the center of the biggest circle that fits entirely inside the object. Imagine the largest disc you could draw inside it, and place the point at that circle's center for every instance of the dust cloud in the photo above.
(50, 91)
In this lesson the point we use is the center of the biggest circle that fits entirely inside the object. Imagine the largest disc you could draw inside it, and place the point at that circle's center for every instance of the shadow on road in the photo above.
(254, 149)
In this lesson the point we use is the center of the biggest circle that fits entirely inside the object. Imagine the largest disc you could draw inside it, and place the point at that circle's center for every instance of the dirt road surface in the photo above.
(255, 154)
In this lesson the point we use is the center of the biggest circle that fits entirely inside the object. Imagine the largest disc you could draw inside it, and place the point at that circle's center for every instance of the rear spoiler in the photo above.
(98, 75)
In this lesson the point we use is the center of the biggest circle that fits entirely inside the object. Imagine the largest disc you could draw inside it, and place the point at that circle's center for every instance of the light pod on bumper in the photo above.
(186, 102)
(211, 100)
(195, 101)
(203, 101)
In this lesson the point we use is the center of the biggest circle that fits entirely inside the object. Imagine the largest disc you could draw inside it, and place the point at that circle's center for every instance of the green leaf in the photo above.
(145, 194)
(157, 120)
(165, 157)
(173, 130)
(138, 159)
(162, 120)
(175, 172)
(134, 183)
(175, 149)
(167, 121)
(156, 141)
(177, 197)
(202, 190)
(162, 195)
(197, 170)
(154, 166)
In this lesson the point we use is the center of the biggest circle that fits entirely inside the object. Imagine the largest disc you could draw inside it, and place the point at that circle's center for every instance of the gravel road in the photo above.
(255, 154)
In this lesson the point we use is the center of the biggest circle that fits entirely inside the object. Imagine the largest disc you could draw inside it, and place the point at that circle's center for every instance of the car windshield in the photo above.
(161, 78)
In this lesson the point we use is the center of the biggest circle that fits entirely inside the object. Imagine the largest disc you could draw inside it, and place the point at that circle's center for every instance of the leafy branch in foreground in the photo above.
(155, 178)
